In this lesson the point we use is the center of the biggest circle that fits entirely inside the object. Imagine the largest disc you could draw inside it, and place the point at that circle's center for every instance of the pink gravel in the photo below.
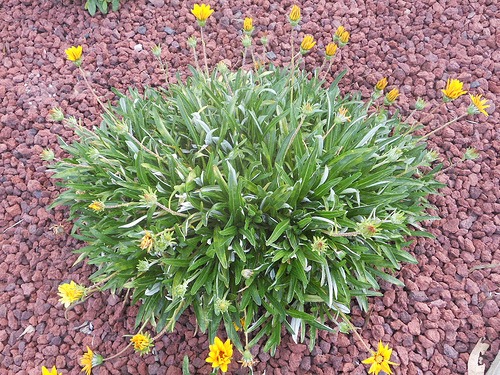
(451, 299)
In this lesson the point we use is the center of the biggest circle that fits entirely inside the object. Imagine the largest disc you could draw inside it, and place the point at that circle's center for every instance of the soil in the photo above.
(451, 298)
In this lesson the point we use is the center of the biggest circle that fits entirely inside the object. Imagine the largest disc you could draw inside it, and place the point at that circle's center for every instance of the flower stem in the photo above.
(196, 59)
(204, 51)
(244, 57)
(354, 330)
(442, 127)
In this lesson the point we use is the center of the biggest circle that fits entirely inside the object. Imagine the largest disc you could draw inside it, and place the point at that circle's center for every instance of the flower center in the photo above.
(379, 358)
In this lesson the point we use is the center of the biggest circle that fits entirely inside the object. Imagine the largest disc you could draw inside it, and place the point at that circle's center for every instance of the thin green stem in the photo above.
(244, 57)
(354, 330)
(442, 127)
(204, 50)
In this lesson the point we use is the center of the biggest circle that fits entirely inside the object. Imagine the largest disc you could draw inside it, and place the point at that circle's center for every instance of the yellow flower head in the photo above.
(53, 371)
(381, 84)
(344, 38)
(294, 15)
(380, 360)
(242, 323)
(90, 360)
(142, 343)
(307, 43)
(339, 31)
(74, 54)
(478, 105)
(391, 96)
(248, 25)
(330, 50)
(70, 293)
(97, 206)
(453, 90)
(202, 12)
(147, 241)
(220, 354)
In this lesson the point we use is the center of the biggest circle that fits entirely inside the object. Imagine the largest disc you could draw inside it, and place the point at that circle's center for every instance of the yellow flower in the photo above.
(330, 50)
(97, 206)
(295, 15)
(242, 323)
(453, 90)
(147, 241)
(391, 96)
(220, 354)
(478, 104)
(307, 43)
(248, 25)
(202, 12)
(74, 54)
(90, 360)
(53, 371)
(344, 38)
(380, 360)
(381, 84)
(142, 343)
(340, 30)
(70, 293)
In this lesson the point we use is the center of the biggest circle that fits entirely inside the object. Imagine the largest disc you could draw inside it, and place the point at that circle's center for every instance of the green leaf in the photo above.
(278, 231)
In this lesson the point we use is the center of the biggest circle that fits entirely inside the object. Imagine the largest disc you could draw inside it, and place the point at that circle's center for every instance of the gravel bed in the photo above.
(451, 299)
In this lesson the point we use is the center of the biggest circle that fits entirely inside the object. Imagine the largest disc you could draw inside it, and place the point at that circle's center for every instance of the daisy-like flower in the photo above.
(90, 360)
(477, 105)
(70, 293)
(307, 44)
(294, 16)
(380, 360)
(202, 12)
(391, 96)
(75, 54)
(453, 90)
(344, 38)
(381, 84)
(220, 354)
(248, 25)
(97, 206)
(142, 343)
(53, 371)
(147, 241)
(330, 50)
(340, 30)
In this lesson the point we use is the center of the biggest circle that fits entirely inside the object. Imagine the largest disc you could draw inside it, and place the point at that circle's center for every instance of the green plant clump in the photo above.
(103, 5)
(257, 199)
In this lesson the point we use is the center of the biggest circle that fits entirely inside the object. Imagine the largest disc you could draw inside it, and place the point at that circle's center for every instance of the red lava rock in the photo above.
(490, 309)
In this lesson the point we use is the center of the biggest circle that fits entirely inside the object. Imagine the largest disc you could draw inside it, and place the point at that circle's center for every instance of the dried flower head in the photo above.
(247, 273)
(319, 245)
(380, 360)
(307, 44)
(90, 360)
(97, 206)
(202, 12)
(221, 306)
(220, 354)
(179, 290)
(294, 15)
(264, 39)
(248, 26)
(53, 371)
(391, 96)
(192, 42)
(420, 104)
(142, 343)
(471, 154)
(477, 105)
(147, 241)
(75, 54)
(368, 227)
(381, 84)
(246, 40)
(149, 197)
(330, 50)
(342, 116)
(453, 90)
(247, 359)
(156, 50)
(70, 292)
(56, 114)
(47, 154)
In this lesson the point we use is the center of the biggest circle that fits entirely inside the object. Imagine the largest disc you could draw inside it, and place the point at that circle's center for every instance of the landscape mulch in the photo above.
(451, 298)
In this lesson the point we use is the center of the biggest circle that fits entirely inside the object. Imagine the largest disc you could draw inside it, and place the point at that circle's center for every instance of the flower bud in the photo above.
(247, 273)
